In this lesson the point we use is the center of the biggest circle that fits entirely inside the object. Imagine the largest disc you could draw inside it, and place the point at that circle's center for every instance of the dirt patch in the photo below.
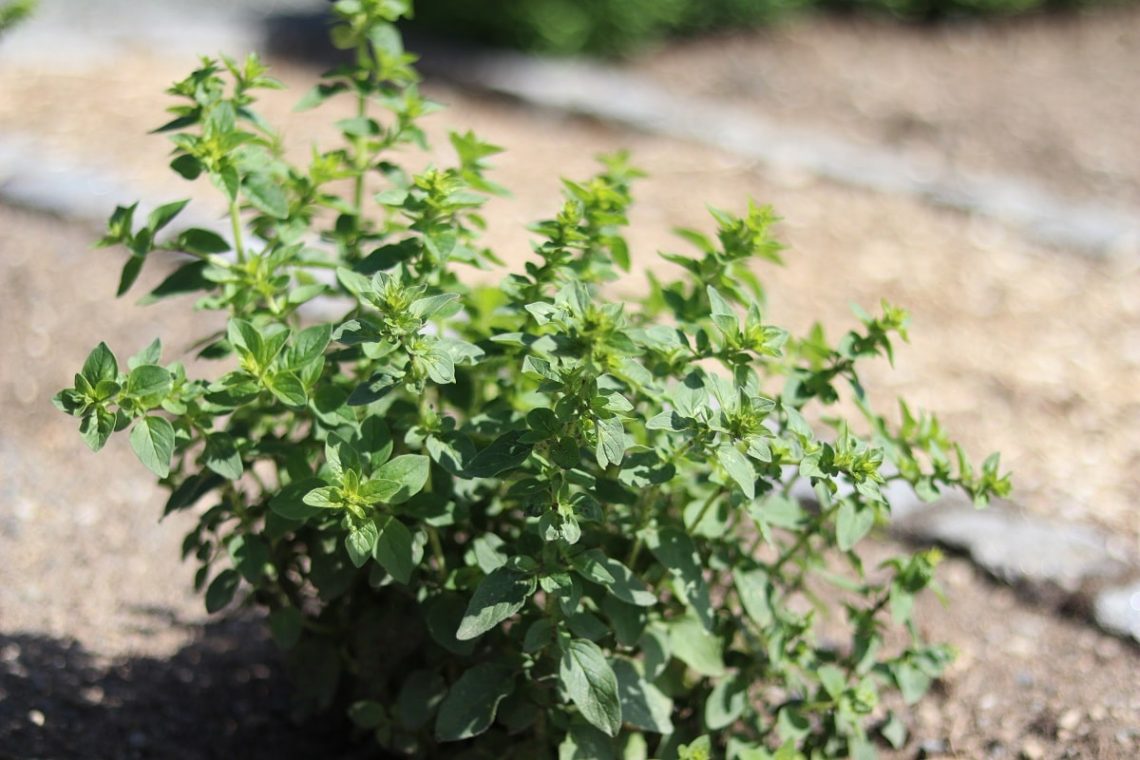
(1049, 97)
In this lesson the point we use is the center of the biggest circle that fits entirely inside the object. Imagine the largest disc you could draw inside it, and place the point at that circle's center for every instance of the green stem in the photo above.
(437, 550)
(361, 111)
(235, 224)
(705, 509)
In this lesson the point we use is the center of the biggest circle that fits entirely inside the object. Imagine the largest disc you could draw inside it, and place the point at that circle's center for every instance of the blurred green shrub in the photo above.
(618, 27)
(607, 27)
(15, 11)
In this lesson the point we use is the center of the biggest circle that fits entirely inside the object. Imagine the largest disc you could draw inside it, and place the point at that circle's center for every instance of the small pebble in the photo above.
(1069, 720)
(36, 717)
(93, 694)
(1031, 749)
(933, 748)
(1025, 679)
(1098, 713)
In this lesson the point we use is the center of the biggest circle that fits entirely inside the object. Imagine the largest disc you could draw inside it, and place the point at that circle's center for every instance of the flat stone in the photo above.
(1117, 610)
(1015, 548)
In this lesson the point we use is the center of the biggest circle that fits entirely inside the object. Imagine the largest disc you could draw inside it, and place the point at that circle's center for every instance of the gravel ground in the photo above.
(1028, 351)
(1050, 97)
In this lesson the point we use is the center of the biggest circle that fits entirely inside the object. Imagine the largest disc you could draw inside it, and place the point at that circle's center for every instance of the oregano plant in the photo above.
(521, 521)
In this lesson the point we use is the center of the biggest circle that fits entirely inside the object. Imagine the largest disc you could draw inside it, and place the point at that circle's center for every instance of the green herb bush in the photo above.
(621, 27)
(517, 521)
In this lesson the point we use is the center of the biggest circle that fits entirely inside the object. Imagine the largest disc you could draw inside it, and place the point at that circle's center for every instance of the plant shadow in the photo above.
(225, 695)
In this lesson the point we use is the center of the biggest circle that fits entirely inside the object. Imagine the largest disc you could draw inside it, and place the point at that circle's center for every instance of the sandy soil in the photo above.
(1029, 351)
(1050, 97)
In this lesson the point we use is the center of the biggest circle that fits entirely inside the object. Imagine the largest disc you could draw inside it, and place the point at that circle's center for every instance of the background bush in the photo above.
(616, 27)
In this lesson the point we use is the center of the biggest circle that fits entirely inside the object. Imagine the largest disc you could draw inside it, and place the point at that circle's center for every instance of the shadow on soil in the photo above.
(223, 696)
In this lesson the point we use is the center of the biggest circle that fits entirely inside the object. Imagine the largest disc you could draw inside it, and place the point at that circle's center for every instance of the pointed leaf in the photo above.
(395, 549)
(497, 597)
(591, 684)
(152, 439)
(471, 703)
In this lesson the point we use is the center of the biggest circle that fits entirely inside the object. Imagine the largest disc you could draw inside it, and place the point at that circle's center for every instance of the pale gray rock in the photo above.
(1043, 555)
(1117, 610)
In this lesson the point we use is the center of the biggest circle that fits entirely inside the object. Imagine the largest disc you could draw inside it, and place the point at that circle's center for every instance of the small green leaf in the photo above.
(361, 541)
(266, 194)
(696, 647)
(148, 381)
(131, 269)
(440, 366)
(675, 550)
(611, 441)
(100, 365)
(833, 680)
(912, 682)
(326, 497)
(290, 501)
(739, 469)
(894, 731)
(152, 439)
(186, 165)
(199, 241)
(852, 524)
(285, 624)
(427, 307)
(725, 703)
(421, 694)
(288, 388)
(505, 453)
(221, 590)
(152, 354)
(621, 582)
(591, 684)
(164, 214)
(307, 346)
(395, 549)
(96, 427)
(755, 591)
(221, 456)
(366, 714)
(250, 554)
(792, 724)
(497, 597)
(643, 705)
(399, 479)
(472, 701)
(188, 278)
(584, 742)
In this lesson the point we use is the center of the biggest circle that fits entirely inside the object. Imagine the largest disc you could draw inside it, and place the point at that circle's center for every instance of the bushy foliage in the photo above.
(524, 520)
(13, 12)
(620, 27)
(607, 27)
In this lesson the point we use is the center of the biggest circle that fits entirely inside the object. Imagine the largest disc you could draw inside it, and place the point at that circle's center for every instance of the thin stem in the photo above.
(705, 509)
(361, 111)
(437, 550)
(235, 224)
(358, 181)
